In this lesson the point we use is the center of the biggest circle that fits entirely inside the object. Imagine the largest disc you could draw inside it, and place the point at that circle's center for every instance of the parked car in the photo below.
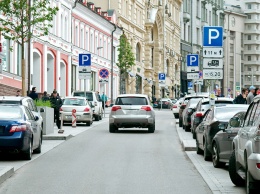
(84, 112)
(164, 103)
(222, 141)
(19, 130)
(201, 108)
(176, 107)
(188, 111)
(94, 101)
(132, 110)
(26, 101)
(244, 163)
(207, 129)
(185, 101)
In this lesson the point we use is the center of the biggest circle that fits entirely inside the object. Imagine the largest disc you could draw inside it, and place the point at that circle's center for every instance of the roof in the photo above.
(137, 95)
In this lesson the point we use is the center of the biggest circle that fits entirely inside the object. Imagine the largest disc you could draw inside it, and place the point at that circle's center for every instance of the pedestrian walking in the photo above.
(104, 100)
(18, 93)
(241, 98)
(56, 103)
(250, 95)
(33, 94)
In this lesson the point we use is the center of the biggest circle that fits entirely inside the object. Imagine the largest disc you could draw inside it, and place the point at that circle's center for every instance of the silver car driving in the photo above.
(132, 110)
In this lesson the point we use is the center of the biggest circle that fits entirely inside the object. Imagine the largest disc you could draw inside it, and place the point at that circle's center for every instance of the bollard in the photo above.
(61, 123)
(74, 118)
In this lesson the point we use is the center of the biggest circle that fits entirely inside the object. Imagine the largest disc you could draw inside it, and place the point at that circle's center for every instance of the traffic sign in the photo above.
(192, 63)
(193, 75)
(85, 75)
(212, 52)
(200, 74)
(213, 73)
(84, 59)
(104, 81)
(212, 63)
(161, 76)
(213, 36)
(103, 73)
(198, 82)
(190, 85)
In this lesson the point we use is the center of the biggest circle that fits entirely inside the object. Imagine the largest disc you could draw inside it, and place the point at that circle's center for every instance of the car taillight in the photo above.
(115, 108)
(258, 165)
(86, 110)
(17, 128)
(174, 106)
(61, 109)
(199, 114)
(146, 108)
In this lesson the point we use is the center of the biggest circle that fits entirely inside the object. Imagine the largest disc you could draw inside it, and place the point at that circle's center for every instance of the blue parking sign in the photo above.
(213, 36)
(193, 60)
(84, 59)
(161, 76)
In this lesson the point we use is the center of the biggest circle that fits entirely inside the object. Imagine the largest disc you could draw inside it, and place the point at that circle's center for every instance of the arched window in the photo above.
(138, 52)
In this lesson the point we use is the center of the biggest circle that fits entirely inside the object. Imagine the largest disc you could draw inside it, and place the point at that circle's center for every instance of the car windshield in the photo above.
(225, 113)
(194, 101)
(74, 101)
(89, 95)
(131, 101)
(10, 112)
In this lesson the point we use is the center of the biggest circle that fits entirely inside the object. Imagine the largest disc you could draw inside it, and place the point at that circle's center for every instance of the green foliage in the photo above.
(42, 103)
(126, 57)
(15, 23)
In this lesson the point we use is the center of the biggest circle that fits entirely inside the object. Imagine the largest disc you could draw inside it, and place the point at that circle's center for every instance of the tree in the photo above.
(126, 59)
(20, 19)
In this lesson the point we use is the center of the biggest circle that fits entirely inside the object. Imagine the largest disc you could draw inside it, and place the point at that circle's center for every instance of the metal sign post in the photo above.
(104, 74)
(85, 69)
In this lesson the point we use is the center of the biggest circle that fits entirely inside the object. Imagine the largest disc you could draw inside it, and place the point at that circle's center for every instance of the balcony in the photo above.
(251, 1)
(252, 52)
(251, 11)
(252, 21)
(252, 42)
(186, 17)
(252, 31)
(251, 63)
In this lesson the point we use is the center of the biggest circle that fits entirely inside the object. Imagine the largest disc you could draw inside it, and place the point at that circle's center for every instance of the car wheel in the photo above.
(151, 128)
(199, 151)
(249, 183)
(215, 157)
(112, 128)
(96, 117)
(38, 150)
(88, 123)
(28, 153)
(176, 116)
(234, 176)
(206, 154)
(180, 123)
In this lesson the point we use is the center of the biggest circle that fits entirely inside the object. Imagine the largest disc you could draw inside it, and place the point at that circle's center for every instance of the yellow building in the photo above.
(152, 27)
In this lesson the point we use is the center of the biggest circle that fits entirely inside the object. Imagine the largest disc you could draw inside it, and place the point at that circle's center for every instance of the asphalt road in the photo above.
(97, 162)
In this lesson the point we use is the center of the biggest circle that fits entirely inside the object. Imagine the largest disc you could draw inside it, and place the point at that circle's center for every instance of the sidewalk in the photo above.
(57, 138)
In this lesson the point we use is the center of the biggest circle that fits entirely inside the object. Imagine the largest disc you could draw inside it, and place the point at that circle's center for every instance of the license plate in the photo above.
(68, 117)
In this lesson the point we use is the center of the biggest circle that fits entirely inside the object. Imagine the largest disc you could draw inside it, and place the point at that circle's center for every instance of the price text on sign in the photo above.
(192, 75)
(213, 73)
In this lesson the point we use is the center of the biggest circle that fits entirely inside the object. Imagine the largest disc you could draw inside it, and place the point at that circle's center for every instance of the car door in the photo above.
(184, 113)
(243, 132)
(200, 130)
(34, 125)
(207, 124)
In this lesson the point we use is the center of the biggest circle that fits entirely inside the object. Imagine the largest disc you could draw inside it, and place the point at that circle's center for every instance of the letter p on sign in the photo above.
(213, 36)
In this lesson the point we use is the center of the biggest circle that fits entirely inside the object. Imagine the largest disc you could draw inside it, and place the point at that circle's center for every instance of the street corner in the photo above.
(5, 173)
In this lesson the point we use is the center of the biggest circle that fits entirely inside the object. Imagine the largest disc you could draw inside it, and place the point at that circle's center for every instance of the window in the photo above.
(249, 6)
(81, 38)
(86, 41)
(248, 37)
(198, 36)
(6, 55)
(19, 57)
(249, 47)
(231, 48)
(248, 58)
(210, 18)
(198, 8)
(137, 52)
(66, 28)
(92, 43)
(248, 16)
(249, 68)
(105, 49)
(76, 36)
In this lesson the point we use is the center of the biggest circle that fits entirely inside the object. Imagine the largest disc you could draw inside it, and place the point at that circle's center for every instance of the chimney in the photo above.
(104, 14)
(98, 10)
(91, 5)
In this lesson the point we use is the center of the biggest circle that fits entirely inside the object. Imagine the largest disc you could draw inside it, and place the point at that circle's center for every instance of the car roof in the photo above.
(134, 95)
(13, 98)
(219, 99)
(230, 105)
(79, 97)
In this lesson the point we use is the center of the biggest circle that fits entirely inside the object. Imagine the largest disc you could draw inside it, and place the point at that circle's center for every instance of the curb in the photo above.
(57, 137)
(5, 173)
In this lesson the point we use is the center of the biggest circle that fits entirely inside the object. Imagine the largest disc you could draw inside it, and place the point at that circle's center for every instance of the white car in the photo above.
(176, 107)
(132, 110)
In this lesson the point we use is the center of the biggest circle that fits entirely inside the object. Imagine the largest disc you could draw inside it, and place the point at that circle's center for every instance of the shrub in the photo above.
(42, 103)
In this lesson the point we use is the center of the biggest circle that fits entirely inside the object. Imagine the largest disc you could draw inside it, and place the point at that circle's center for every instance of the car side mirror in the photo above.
(36, 118)
(222, 126)
(234, 122)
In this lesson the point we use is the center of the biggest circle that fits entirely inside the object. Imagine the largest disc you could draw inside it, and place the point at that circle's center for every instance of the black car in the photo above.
(222, 141)
(210, 125)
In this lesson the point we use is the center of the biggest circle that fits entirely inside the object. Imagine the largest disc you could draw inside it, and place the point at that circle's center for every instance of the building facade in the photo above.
(78, 27)
(153, 29)
(195, 15)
